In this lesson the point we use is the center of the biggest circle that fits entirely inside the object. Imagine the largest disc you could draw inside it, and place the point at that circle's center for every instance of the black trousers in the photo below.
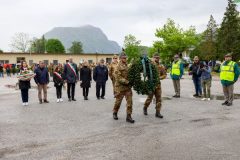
(59, 91)
(24, 93)
(85, 92)
(71, 90)
(98, 88)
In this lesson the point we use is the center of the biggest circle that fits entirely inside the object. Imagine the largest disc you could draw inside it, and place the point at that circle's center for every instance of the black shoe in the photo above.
(225, 103)
(46, 101)
(85, 98)
(176, 96)
(115, 117)
(98, 98)
(229, 104)
(158, 115)
(69, 100)
(74, 99)
(102, 97)
(129, 119)
(145, 111)
(195, 95)
(40, 101)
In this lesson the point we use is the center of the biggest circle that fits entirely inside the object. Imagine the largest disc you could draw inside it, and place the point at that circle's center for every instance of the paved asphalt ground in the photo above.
(84, 130)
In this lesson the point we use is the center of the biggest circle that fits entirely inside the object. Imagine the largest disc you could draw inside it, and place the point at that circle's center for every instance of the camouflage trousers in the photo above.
(119, 97)
(114, 88)
(158, 95)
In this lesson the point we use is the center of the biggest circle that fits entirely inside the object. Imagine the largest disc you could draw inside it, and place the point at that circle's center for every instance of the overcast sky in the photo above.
(115, 18)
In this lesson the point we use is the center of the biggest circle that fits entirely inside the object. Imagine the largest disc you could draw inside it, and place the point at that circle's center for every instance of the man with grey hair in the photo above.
(100, 76)
(42, 80)
(229, 73)
(71, 77)
(177, 71)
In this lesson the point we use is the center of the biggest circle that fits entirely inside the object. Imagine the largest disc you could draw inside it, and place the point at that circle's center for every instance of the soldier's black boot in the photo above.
(115, 117)
(158, 115)
(129, 119)
(145, 111)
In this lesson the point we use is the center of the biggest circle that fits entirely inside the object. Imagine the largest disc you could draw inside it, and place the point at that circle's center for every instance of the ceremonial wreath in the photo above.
(26, 75)
(143, 68)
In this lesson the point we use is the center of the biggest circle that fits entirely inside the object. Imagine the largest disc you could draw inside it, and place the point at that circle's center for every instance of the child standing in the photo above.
(206, 79)
(58, 82)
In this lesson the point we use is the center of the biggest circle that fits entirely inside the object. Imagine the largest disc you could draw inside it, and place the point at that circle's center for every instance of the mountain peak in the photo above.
(92, 38)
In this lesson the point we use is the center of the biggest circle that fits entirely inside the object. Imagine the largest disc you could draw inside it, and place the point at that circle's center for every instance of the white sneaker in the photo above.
(61, 100)
(203, 99)
(26, 104)
(23, 104)
(58, 100)
(208, 99)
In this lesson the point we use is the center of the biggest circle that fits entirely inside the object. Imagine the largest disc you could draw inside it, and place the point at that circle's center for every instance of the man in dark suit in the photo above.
(100, 76)
(71, 77)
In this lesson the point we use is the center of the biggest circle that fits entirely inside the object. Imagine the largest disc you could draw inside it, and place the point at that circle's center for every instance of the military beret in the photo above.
(123, 54)
(156, 55)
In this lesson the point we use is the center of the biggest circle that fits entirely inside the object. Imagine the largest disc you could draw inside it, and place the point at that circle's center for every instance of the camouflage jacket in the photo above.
(112, 69)
(161, 70)
(121, 75)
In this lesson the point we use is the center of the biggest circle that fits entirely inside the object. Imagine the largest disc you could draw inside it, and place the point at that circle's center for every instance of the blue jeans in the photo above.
(197, 85)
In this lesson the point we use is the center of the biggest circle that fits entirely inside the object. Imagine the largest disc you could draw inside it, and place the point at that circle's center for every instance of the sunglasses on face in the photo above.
(114, 58)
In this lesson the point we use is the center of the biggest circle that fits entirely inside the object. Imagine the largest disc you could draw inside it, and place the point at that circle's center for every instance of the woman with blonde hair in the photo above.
(85, 79)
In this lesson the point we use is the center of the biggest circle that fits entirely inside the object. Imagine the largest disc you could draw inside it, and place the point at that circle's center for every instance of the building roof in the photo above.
(12, 53)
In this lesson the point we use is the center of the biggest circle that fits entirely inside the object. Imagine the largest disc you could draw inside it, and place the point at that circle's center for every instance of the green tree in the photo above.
(174, 39)
(1, 51)
(228, 38)
(54, 46)
(207, 48)
(38, 45)
(76, 48)
(131, 45)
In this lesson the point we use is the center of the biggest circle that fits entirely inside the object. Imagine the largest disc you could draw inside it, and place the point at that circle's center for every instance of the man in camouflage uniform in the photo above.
(112, 69)
(158, 91)
(123, 89)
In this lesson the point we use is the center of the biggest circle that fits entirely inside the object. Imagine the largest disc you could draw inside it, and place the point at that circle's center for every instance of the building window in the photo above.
(2, 61)
(90, 61)
(6, 61)
(46, 62)
(55, 62)
(108, 60)
(20, 59)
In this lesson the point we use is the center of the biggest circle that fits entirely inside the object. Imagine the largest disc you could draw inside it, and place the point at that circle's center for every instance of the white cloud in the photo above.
(115, 18)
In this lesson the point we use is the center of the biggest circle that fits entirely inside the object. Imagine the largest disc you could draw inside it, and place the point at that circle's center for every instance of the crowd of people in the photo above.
(69, 74)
